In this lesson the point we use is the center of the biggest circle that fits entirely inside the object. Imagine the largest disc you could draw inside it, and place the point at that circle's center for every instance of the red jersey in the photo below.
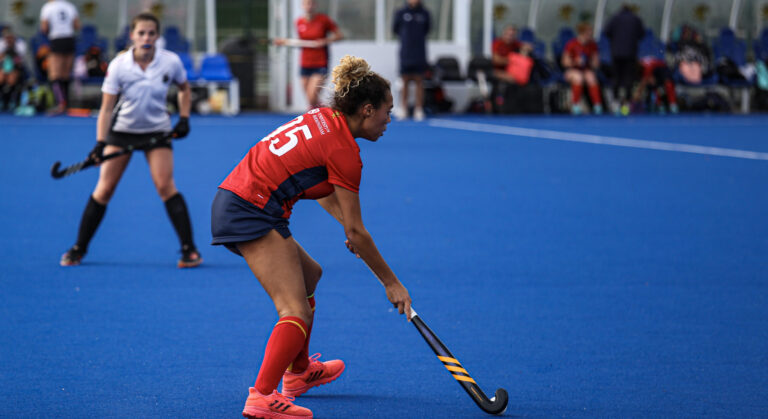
(577, 50)
(312, 30)
(302, 159)
(502, 48)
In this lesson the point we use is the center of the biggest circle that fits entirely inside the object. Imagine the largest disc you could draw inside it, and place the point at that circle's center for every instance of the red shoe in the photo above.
(316, 374)
(273, 406)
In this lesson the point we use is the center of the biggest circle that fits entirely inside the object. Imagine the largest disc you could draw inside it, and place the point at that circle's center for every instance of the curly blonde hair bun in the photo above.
(356, 84)
(349, 73)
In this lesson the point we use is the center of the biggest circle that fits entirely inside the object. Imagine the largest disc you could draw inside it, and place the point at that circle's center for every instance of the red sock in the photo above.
(594, 94)
(301, 362)
(576, 90)
(671, 94)
(286, 340)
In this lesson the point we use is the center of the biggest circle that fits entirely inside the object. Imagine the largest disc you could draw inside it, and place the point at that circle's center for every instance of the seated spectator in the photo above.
(580, 61)
(12, 55)
(502, 47)
(693, 58)
(656, 84)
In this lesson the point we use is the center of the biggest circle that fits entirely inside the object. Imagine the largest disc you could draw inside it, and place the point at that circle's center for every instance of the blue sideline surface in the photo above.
(588, 280)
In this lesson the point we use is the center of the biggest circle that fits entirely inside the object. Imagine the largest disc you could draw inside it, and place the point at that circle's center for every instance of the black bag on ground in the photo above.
(435, 100)
(514, 98)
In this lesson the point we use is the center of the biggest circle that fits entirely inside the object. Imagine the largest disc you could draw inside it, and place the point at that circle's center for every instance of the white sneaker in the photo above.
(418, 114)
(401, 114)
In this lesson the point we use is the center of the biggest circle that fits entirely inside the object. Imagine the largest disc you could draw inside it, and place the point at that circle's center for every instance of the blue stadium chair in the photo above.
(650, 46)
(177, 46)
(604, 49)
(526, 35)
(728, 46)
(89, 37)
(565, 35)
(606, 59)
(189, 66)
(539, 47)
(121, 41)
(174, 41)
(171, 32)
(215, 67)
(88, 32)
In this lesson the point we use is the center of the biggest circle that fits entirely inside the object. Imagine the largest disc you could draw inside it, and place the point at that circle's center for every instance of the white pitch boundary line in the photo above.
(598, 139)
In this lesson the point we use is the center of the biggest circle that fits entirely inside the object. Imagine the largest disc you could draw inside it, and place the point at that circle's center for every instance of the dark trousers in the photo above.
(624, 76)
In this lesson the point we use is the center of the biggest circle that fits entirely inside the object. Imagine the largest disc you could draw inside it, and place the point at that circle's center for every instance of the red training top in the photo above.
(302, 159)
(502, 48)
(575, 50)
(312, 30)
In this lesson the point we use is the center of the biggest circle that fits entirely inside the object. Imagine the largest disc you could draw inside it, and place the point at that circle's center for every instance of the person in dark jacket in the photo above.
(624, 30)
(411, 24)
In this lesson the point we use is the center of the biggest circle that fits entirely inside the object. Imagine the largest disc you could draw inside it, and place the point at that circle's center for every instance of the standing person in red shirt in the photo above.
(580, 61)
(314, 156)
(313, 29)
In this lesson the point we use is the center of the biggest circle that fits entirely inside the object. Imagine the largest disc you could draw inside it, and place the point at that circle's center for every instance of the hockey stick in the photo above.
(496, 405)
(301, 43)
(69, 170)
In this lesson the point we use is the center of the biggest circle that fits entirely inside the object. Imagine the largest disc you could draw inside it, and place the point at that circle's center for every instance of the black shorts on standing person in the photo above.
(139, 121)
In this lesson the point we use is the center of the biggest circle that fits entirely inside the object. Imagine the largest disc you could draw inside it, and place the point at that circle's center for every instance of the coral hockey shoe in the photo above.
(316, 374)
(273, 406)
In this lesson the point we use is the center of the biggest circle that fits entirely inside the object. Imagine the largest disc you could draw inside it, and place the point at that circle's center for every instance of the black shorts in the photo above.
(309, 71)
(63, 45)
(413, 69)
(137, 141)
(235, 220)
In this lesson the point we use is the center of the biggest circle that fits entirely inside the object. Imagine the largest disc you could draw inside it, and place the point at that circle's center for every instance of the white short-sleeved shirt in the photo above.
(19, 46)
(61, 16)
(141, 107)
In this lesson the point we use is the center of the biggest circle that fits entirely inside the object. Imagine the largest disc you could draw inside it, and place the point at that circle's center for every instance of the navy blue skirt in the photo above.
(235, 220)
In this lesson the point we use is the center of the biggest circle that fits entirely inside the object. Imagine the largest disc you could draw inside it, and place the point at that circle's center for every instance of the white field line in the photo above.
(598, 139)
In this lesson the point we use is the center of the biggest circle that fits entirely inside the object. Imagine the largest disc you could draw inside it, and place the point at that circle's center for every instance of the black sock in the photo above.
(92, 216)
(177, 212)
(15, 96)
(65, 91)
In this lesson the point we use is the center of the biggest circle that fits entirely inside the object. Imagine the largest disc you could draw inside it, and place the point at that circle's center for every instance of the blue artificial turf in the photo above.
(587, 280)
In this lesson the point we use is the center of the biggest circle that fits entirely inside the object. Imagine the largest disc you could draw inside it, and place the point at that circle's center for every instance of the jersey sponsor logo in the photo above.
(321, 123)
(314, 111)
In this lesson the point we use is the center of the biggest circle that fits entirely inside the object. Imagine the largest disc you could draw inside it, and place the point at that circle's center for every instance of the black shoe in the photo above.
(72, 257)
(190, 257)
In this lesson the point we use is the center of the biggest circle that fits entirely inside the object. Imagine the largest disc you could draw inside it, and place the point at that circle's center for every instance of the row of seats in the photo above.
(213, 67)
(89, 37)
(726, 45)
